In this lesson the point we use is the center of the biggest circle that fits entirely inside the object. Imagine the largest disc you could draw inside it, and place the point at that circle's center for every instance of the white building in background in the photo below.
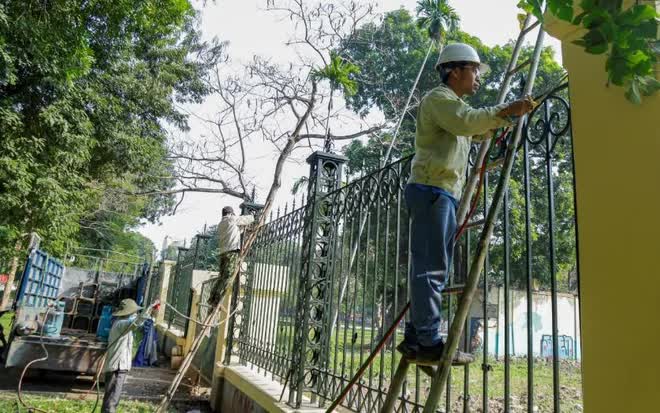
(269, 284)
(568, 323)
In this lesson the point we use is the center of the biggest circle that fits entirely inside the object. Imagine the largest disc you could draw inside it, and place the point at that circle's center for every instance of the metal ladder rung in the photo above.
(430, 368)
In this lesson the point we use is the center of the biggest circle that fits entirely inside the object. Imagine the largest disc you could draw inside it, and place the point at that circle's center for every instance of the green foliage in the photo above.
(86, 92)
(108, 226)
(6, 321)
(340, 73)
(437, 17)
(628, 37)
(391, 53)
(60, 405)
(534, 7)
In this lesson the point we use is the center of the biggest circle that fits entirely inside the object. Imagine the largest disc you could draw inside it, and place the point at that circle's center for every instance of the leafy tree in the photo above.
(437, 17)
(86, 92)
(389, 54)
(341, 75)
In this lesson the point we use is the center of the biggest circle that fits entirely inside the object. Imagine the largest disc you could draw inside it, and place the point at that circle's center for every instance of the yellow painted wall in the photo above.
(617, 170)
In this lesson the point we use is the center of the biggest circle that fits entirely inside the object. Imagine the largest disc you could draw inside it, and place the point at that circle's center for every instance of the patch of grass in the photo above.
(5, 321)
(9, 403)
(62, 405)
(349, 347)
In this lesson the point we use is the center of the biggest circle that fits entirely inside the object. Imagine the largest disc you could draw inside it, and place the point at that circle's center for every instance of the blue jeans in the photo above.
(433, 216)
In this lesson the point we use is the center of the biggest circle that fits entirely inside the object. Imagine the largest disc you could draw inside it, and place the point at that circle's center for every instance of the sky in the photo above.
(251, 30)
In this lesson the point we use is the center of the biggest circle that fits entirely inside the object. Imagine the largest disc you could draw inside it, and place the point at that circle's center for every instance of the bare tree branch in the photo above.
(344, 137)
(263, 105)
(204, 190)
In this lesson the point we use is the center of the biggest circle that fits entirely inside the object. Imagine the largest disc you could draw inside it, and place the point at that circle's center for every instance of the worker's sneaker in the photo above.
(432, 355)
(408, 350)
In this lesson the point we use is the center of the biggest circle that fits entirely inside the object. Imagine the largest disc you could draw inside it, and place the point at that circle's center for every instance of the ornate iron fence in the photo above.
(324, 281)
(153, 284)
(262, 329)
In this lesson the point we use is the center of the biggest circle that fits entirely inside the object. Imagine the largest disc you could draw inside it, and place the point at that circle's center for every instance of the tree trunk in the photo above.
(12, 275)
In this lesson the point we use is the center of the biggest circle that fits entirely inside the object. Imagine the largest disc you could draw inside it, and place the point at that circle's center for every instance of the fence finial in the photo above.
(329, 144)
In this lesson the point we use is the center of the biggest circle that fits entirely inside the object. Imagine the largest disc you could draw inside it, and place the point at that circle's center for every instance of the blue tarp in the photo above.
(147, 354)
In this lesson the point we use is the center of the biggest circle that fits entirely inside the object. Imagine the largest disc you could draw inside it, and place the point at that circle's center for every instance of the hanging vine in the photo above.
(628, 37)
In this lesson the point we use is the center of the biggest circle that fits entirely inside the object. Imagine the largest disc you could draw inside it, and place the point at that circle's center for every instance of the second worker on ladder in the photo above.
(229, 240)
(446, 127)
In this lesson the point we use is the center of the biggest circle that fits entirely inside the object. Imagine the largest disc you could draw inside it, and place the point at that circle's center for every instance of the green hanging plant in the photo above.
(341, 74)
(628, 37)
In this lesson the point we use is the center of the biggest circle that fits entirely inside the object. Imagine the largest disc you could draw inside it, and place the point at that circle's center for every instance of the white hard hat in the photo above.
(461, 52)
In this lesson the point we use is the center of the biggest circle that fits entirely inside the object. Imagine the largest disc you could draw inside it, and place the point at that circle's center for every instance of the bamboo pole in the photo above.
(395, 386)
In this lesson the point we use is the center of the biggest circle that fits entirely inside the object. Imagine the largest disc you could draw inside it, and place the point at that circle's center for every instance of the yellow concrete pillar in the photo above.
(220, 346)
(223, 318)
(192, 327)
(617, 172)
(164, 270)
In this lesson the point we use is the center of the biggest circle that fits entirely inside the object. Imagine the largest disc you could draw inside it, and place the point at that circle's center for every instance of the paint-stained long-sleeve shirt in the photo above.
(120, 342)
(446, 126)
(229, 231)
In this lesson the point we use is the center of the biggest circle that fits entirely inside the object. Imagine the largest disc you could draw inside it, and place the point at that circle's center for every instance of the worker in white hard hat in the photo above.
(446, 127)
